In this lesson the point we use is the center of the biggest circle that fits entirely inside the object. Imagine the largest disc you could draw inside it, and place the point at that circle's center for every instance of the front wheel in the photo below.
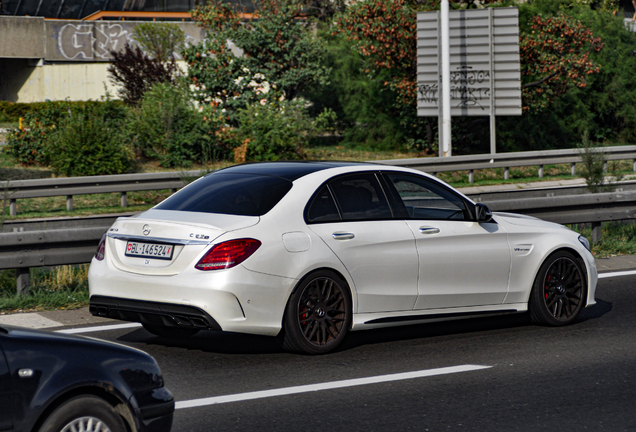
(560, 290)
(84, 413)
(318, 315)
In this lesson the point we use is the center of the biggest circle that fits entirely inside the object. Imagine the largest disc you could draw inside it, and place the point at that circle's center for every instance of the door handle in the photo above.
(342, 236)
(429, 230)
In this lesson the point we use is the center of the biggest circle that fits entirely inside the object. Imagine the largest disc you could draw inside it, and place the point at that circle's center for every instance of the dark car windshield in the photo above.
(237, 194)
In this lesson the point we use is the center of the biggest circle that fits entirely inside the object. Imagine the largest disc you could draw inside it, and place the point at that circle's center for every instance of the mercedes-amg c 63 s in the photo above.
(312, 250)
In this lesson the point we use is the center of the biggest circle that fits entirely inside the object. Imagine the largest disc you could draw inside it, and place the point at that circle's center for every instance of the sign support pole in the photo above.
(446, 93)
(493, 129)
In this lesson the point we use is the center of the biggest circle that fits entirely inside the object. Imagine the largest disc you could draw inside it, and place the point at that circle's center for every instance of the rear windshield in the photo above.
(235, 194)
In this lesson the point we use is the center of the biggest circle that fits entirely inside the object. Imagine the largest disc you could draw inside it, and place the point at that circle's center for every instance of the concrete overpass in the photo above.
(44, 59)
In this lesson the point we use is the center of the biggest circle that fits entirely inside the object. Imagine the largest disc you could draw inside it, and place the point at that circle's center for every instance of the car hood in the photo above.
(525, 221)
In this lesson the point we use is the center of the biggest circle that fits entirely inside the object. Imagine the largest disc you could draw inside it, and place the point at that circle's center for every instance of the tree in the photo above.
(135, 72)
(160, 40)
(385, 33)
(279, 56)
(555, 56)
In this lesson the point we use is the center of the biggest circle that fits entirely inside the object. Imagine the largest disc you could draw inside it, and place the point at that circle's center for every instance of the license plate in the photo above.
(149, 250)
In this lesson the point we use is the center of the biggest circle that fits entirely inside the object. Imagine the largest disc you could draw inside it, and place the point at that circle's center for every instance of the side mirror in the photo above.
(483, 213)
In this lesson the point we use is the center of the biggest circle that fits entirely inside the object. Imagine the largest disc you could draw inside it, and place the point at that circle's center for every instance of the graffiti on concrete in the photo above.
(91, 41)
(95, 40)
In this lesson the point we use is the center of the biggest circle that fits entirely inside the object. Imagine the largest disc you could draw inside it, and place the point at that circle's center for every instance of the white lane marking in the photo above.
(325, 386)
(616, 274)
(99, 328)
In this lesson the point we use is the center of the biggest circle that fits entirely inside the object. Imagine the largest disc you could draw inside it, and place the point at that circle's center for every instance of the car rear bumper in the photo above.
(153, 313)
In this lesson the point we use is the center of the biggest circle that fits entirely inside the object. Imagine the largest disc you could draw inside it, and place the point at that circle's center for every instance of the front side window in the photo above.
(226, 193)
(423, 199)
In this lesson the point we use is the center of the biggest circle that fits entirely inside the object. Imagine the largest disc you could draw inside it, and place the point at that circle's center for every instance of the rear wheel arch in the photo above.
(338, 316)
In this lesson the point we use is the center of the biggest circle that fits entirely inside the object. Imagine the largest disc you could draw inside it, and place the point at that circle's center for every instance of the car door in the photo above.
(351, 215)
(462, 262)
(6, 390)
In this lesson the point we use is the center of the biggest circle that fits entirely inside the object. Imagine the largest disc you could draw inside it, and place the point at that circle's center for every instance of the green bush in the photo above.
(278, 131)
(167, 126)
(29, 145)
(85, 144)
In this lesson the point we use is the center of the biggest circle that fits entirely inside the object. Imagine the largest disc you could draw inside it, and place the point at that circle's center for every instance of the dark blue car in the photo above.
(54, 383)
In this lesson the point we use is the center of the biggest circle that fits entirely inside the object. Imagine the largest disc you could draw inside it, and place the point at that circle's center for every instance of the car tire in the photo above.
(318, 314)
(170, 332)
(560, 290)
(85, 413)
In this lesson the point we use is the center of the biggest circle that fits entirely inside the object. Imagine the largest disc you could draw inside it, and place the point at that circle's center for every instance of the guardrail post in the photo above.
(22, 281)
(634, 165)
(596, 232)
(540, 171)
(506, 173)
(13, 207)
(69, 202)
(471, 176)
(123, 199)
(573, 168)
(605, 166)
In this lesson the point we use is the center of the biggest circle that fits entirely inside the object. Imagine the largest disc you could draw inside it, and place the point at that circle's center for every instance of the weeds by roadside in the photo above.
(63, 287)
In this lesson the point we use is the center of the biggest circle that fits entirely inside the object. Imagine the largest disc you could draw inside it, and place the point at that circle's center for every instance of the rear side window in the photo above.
(235, 194)
(322, 207)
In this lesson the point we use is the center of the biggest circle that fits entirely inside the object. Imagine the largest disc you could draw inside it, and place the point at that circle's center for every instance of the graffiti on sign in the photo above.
(428, 93)
(468, 88)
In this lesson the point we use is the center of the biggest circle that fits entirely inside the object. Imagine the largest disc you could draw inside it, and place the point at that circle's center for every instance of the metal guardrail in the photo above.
(122, 184)
(71, 186)
(508, 160)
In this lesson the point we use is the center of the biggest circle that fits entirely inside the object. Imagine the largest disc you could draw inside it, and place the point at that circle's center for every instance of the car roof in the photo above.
(291, 170)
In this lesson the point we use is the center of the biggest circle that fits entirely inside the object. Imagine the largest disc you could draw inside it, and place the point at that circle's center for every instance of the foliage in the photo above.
(86, 143)
(167, 126)
(29, 146)
(555, 56)
(161, 40)
(363, 105)
(280, 56)
(593, 164)
(63, 287)
(135, 72)
(278, 131)
(384, 33)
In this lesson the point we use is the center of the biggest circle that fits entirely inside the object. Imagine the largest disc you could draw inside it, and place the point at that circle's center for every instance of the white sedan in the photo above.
(312, 250)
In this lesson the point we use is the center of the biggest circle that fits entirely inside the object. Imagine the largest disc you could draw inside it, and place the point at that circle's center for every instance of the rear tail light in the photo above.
(228, 254)
(99, 255)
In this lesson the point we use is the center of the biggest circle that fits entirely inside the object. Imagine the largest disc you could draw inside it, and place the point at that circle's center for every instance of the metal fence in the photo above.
(122, 184)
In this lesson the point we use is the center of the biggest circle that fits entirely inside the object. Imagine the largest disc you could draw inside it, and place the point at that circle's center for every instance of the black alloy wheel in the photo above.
(560, 290)
(318, 314)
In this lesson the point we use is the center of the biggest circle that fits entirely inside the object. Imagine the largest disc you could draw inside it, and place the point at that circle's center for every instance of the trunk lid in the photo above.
(166, 242)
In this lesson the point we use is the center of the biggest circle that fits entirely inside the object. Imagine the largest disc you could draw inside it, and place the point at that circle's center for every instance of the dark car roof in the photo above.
(288, 170)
